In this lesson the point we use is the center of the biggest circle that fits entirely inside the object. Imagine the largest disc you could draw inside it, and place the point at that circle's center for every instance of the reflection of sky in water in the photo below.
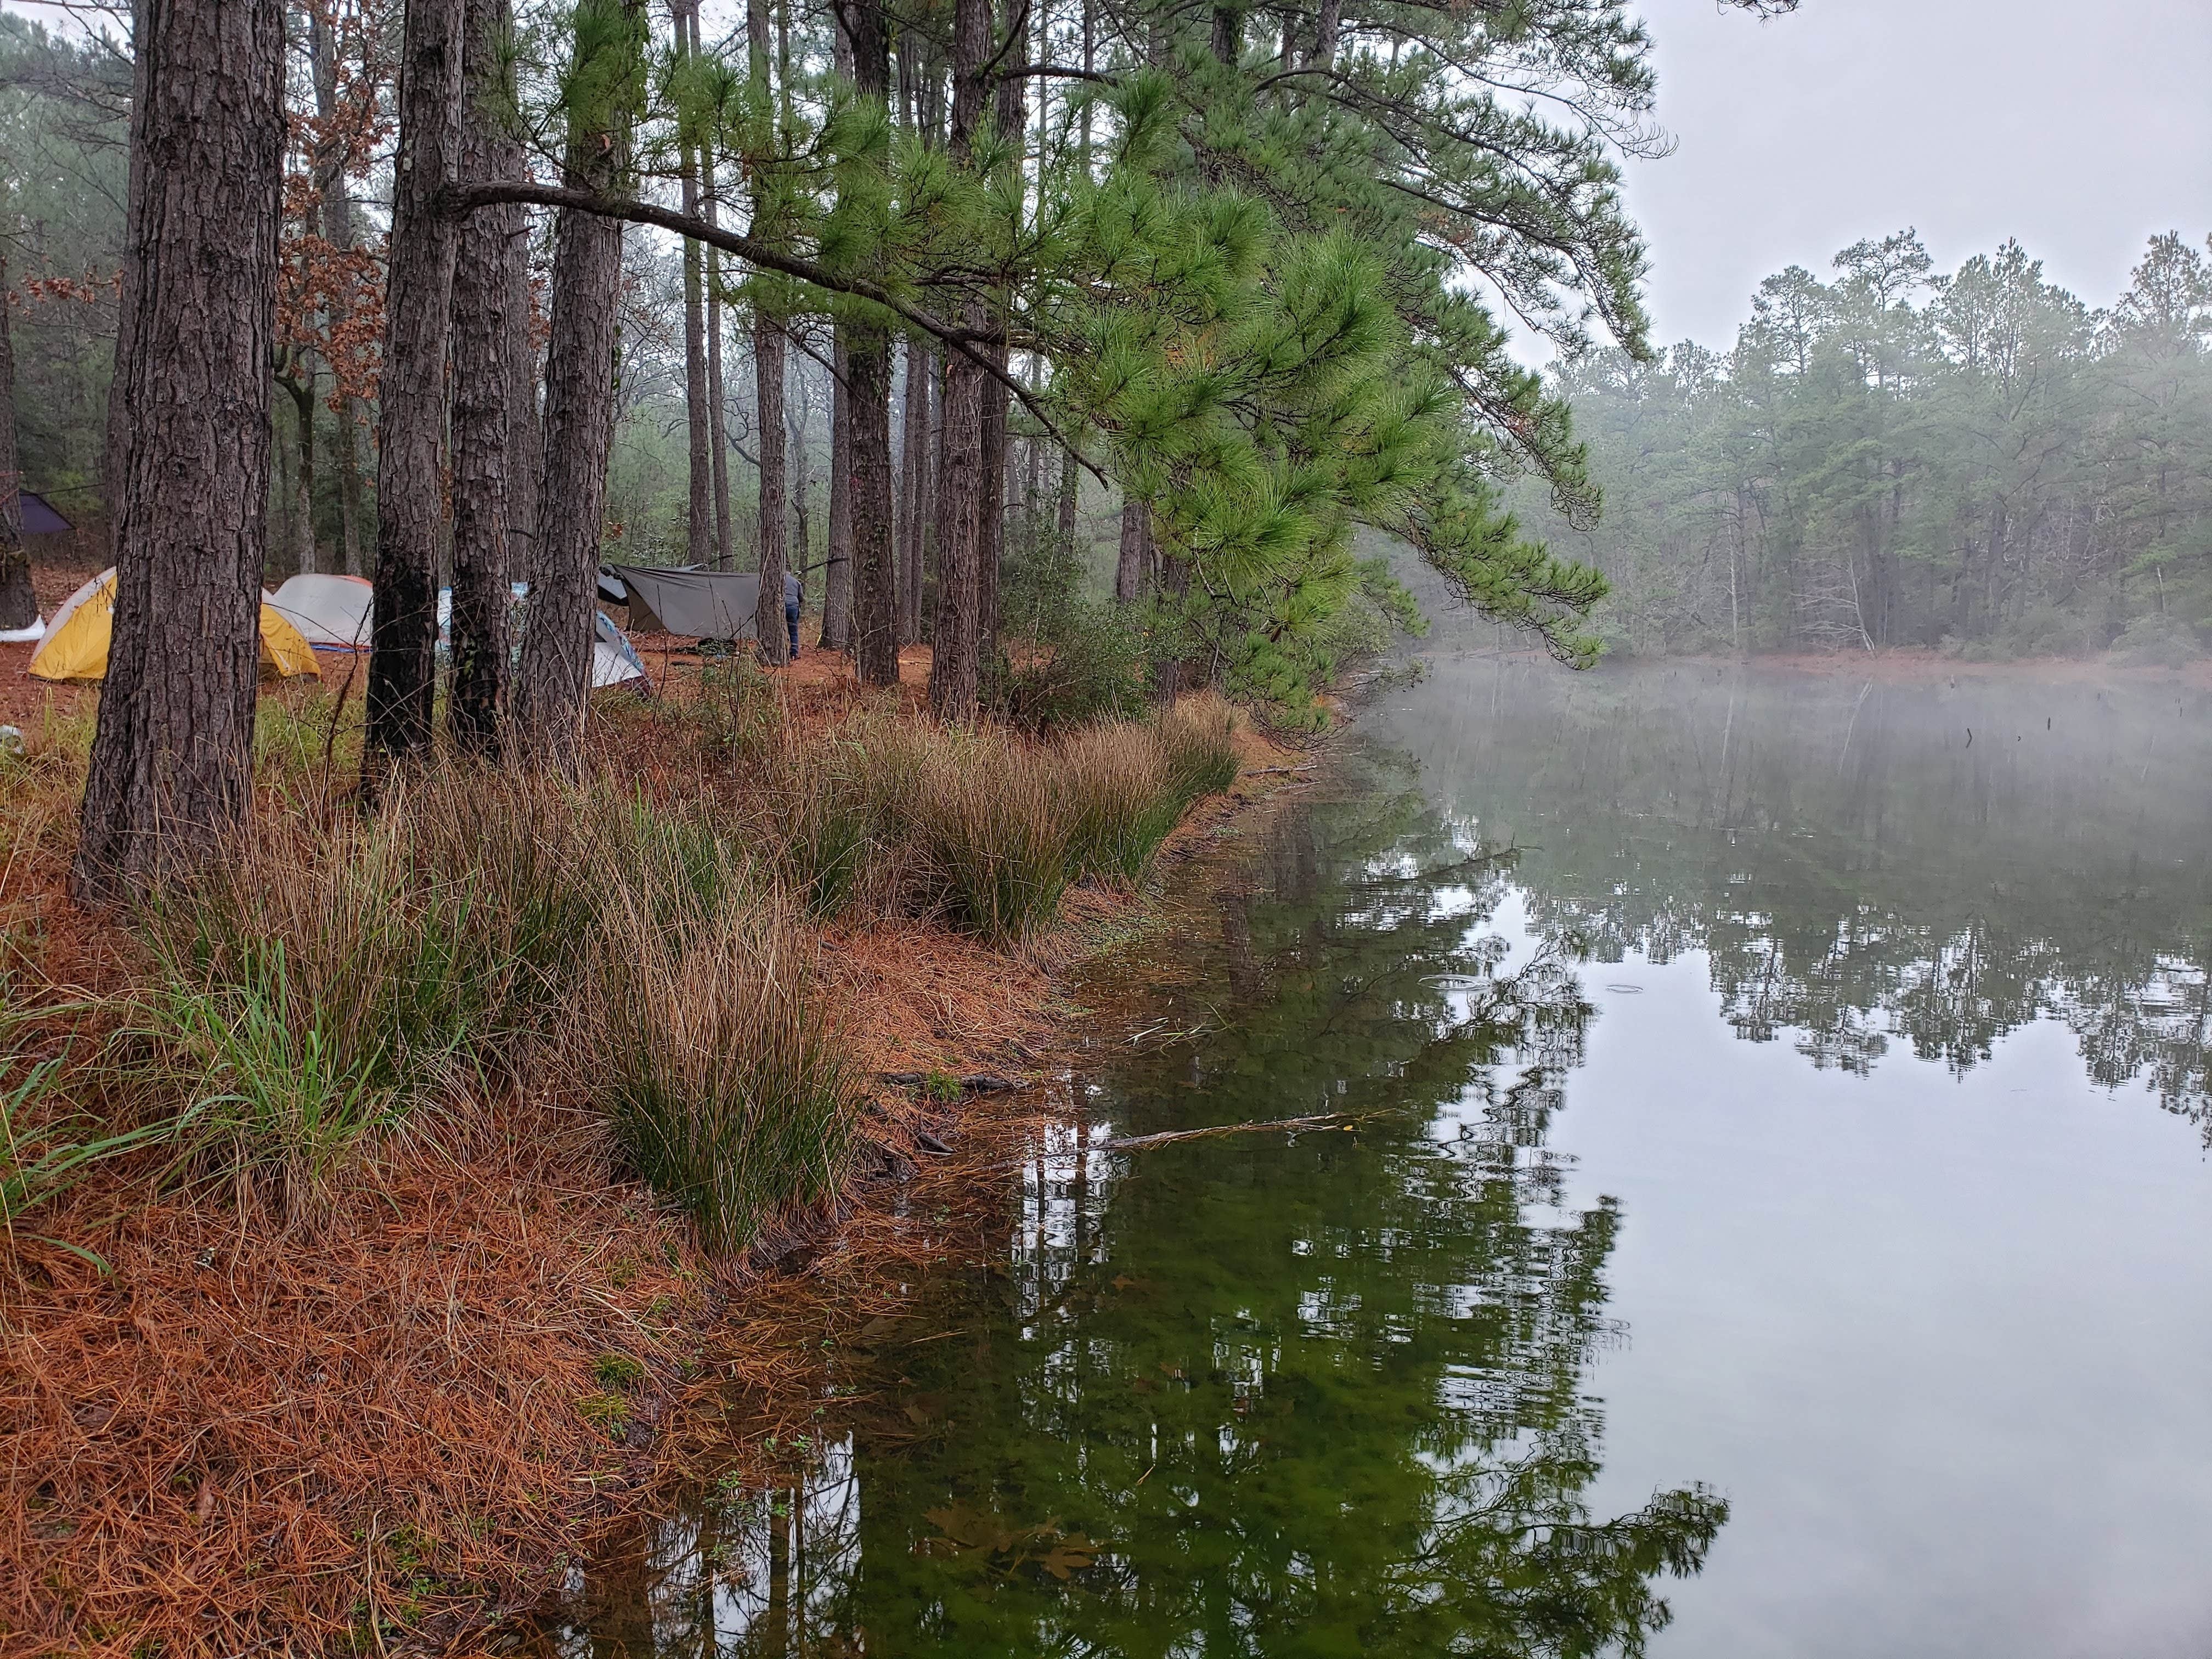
(1915, 1277)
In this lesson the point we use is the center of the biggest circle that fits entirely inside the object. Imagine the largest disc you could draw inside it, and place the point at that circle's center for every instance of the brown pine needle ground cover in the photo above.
(373, 1419)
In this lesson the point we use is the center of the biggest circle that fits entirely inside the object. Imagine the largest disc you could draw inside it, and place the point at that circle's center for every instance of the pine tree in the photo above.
(601, 92)
(412, 390)
(172, 756)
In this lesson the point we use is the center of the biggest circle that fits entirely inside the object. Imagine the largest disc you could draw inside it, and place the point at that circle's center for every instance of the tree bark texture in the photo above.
(412, 393)
(303, 471)
(718, 433)
(171, 758)
(700, 514)
(953, 631)
(1132, 568)
(768, 390)
(961, 484)
(868, 386)
(339, 231)
(491, 250)
(917, 455)
(768, 345)
(1325, 34)
(837, 570)
(992, 472)
(19, 604)
(1064, 525)
(579, 412)
(801, 552)
(1175, 675)
(1010, 117)
(115, 445)
(526, 438)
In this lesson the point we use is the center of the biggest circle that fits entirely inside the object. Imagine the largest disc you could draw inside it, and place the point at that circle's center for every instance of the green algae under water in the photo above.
(1774, 1221)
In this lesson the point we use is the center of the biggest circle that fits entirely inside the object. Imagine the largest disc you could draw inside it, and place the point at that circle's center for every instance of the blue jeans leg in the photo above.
(791, 622)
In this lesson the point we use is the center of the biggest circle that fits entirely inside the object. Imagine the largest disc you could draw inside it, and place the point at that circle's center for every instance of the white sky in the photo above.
(2080, 128)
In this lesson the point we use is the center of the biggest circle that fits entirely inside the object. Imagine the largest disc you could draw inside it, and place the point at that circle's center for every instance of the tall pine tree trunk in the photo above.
(303, 470)
(768, 390)
(953, 631)
(115, 445)
(718, 434)
(837, 571)
(918, 454)
(412, 393)
(1063, 521)
(19, 604)
(961, 483)
(172, 758)
(490, 249)
(801, 552)
(700, 514)
(1069, 483)
(1010, 117)
(992, 472)
(525, 437)
(579, 402)
(1132, 567)
(338, 229)
(868, 383)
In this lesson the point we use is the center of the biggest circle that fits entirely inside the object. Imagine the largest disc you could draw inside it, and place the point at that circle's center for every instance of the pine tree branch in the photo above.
(467, 198)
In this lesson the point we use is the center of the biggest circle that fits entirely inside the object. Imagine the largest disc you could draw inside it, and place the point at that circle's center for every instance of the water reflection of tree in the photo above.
(1857, 874)
(1251, 1396)
(1311, 1395)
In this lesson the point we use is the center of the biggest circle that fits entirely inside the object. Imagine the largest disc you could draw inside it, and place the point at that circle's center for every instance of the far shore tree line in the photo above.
(1977, 463)
(1235, 263)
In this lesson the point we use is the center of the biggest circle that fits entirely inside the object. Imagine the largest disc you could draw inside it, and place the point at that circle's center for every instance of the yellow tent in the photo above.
(76, 646)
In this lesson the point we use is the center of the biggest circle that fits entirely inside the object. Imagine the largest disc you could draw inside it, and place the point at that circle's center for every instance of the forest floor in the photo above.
(380, 1423)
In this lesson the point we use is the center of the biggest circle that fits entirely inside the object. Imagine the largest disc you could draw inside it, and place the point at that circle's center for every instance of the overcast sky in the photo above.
(2080, 126)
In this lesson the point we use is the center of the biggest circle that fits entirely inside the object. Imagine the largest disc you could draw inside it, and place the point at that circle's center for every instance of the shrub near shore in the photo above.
(490, 986)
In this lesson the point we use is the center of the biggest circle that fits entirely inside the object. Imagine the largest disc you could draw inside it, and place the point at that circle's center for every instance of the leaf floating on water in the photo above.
(966, 1530)
(1064, 1558)
(965, 1534)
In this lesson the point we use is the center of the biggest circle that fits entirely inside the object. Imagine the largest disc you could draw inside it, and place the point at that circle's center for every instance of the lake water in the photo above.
(1774, 1220)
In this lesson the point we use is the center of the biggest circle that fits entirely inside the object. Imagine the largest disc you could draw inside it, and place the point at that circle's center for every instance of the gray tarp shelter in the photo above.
(702, 605)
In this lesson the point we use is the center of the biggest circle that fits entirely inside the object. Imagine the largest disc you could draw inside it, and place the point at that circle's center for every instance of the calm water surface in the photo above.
(1778, 1222)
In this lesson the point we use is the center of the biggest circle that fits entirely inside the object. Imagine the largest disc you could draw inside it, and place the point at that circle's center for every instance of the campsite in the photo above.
(1026, 827)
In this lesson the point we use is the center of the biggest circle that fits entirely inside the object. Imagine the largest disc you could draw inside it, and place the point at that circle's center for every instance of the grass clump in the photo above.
(266, 1094)
(985, 829)
(725, 1088)
(619, 1372)
(607, 1413)
(993, 842)
(481, 931)
(1120, 801)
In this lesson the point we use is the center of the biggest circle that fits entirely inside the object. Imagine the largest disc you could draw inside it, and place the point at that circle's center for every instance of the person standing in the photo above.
(791, 597)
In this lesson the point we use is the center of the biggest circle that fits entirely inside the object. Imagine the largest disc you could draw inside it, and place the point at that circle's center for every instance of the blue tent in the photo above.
(39, 518)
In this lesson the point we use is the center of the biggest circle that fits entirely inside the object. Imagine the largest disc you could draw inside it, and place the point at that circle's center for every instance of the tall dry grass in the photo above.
(982, 829)
(726, 1089)
(343, 979)
(485, 931)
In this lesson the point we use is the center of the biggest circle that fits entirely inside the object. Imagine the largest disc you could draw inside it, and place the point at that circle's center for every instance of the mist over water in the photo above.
(1773, 1221)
